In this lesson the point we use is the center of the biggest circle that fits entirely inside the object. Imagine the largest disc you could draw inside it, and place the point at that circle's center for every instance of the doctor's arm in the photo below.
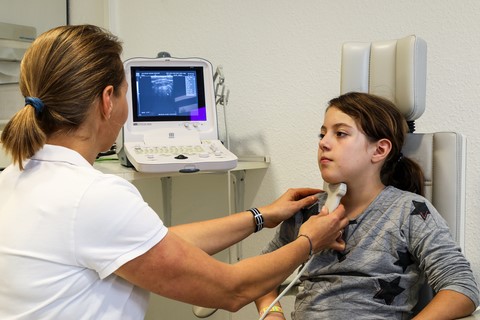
(176, 269)
(216, 235)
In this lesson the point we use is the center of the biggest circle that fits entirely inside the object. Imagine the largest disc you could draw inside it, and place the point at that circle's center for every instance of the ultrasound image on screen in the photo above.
(168, 94)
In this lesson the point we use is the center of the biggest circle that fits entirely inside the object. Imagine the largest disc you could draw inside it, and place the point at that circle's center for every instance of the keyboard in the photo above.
(209, 155)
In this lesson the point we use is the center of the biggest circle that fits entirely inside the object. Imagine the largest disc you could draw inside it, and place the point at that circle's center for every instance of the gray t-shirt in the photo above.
(397, 242)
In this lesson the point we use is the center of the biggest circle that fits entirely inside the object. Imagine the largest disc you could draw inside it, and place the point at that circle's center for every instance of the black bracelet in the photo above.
(257, 215)
(310, 242)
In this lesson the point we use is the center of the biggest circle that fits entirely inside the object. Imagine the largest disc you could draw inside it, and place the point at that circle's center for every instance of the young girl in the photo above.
(395, 238)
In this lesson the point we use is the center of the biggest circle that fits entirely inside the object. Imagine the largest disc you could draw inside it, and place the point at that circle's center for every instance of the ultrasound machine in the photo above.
(172, 121)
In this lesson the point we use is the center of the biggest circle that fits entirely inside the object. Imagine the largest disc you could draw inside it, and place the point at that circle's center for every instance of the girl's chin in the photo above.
(330, 179)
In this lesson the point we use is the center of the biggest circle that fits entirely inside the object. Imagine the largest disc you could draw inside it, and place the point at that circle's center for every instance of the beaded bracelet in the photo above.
(275, 308)
(257, 215)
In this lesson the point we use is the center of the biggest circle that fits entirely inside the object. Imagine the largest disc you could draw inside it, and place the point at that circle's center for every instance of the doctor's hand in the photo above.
(288, 204)
(325, 230)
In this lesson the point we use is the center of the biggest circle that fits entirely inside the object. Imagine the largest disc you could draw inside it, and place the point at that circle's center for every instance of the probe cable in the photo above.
(291, 284)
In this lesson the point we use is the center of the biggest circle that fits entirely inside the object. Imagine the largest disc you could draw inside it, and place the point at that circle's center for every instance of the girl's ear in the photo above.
(384, 146)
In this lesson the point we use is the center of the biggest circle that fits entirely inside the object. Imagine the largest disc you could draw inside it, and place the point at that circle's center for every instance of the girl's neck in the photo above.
(359, 197)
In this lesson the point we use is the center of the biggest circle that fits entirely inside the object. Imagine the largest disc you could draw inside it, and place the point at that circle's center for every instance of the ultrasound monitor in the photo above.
(172, 119)
(170, 94)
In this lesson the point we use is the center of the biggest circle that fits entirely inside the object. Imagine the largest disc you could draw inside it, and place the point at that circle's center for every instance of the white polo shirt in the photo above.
(65, 228)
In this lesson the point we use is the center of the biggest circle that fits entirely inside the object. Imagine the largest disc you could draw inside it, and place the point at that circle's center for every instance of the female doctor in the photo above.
(79, 244)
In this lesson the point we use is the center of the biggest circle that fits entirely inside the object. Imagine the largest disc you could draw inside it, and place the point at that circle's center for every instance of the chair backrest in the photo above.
(396, 70)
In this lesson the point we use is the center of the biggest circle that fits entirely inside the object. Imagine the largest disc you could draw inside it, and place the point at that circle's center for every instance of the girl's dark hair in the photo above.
(67, 69)
(379, 118)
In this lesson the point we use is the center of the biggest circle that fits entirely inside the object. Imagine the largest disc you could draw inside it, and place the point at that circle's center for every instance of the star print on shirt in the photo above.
(421, 209)
(404, 260)
(341, 256)
(389, 290)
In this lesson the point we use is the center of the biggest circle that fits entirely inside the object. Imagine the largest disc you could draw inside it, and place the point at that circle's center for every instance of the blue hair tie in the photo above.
(36, 103)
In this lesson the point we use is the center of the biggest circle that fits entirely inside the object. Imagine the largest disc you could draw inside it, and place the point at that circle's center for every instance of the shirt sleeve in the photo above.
(437, 254)
(114, 225)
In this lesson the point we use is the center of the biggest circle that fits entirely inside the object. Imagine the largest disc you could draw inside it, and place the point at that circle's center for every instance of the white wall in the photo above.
(282, 61)
(14, 11)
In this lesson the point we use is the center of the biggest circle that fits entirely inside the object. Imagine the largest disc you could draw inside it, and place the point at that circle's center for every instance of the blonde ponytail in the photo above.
(22, 137)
